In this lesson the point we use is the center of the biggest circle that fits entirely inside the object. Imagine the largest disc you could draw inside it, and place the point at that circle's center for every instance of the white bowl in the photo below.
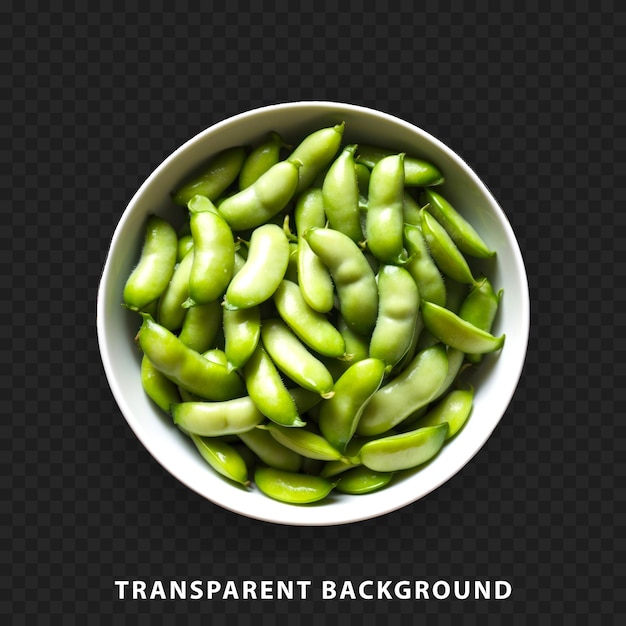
(495, 380)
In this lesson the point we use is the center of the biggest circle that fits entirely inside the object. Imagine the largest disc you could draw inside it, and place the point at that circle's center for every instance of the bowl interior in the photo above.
(495, 381)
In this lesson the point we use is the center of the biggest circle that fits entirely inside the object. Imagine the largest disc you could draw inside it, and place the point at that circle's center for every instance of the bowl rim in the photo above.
(298, 517)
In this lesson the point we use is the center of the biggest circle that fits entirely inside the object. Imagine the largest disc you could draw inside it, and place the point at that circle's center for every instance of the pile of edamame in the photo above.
(307, 326)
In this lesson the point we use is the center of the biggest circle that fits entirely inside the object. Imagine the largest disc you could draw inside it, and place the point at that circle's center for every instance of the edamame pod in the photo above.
(270, 451)
(444, 251)
(339, 415)
(417, 172)
(264, 199)
(264, 269)
(293, 359)
(422, 267)
(213, 253)
(361, 480)
(456, 332)
(305, 442)
(261, 158)
(311, 327)
(242, 331)
(268, 391)
(201, 325)
(403, 451)
(185, 367)
(460, 230)
(157, 386)
(185, 245)
(398, 307)
(453, 409)
(223, 458)
(353, 276)
(216, 176)
(156, 265)
(340, 192)
(410, 209)
(213, 419)
(413, 388)
(480, 308)
(171, 313)
(292, 487)
(385, 218)
(315, 152)
(313, 276)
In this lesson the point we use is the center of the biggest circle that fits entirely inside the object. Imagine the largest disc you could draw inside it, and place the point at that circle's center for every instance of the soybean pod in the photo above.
(262, 200)
(413, 388)
(186, 367)
(315, 152)
(156, 265)
(353, 276)
(264, 269)
(213, 253)
(458, 333)
(216, 176)
(313, 276)
(398, 307)
(460, 230)
(340, 191)
(385, 217)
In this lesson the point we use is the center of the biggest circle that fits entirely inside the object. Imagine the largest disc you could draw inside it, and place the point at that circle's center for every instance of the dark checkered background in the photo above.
(93, 101)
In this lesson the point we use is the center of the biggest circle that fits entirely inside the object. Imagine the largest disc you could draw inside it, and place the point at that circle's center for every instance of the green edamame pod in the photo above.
(216, 356)
(223, 458)
(405, 450)
(217, 175)
(264, 156)
(242, 330)
(480, 308)
(444, 251)
(398, 307)
(385, 218)
(315, 152)
(460, 230)
(456, 332)
(361, 480)
(264, 199)
(213, 419)
(292, 487)
(201, 325)
(353, 276)
(171, 313)
(339, 415)
(363, 179)
(270, 451)
(160, 389)
(417, 172)
(185, 245)
(340, 192)
(422, 267)
(152, 274)
(456, 358)
(213, 253)
(264, 269)
(293, 359)
(453, 409)
(313, 276)
(413, 388)
(311, 327)
(410, 209)
(268, 391)
(305, 442)
(185, 367)
(357, 346)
